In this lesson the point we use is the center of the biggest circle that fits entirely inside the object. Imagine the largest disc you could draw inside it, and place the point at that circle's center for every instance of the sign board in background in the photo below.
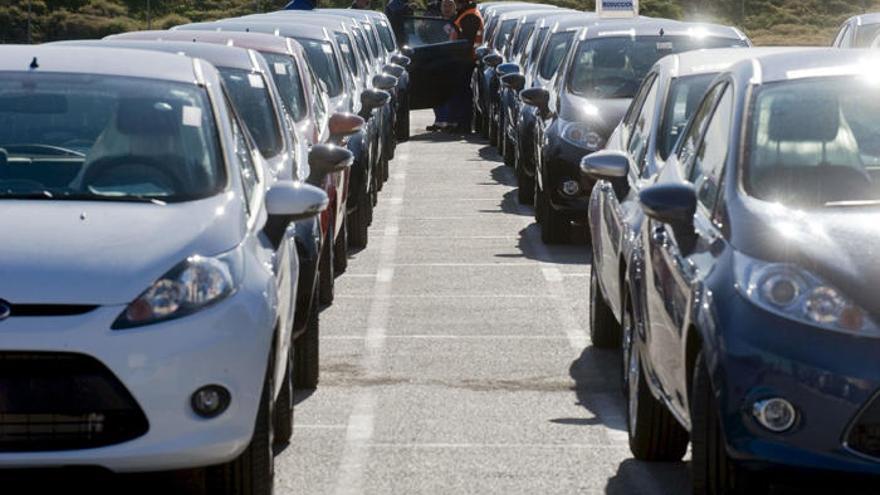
(617, 9)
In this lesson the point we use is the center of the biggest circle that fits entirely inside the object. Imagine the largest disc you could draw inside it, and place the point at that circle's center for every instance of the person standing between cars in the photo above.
(469, 25)
(302, 5)
(396, 10)
(360, 5)
(442, 113)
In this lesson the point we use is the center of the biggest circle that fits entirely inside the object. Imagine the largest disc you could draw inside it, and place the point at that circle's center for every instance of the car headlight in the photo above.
(194, 284)
(581, 136)
(791, 292)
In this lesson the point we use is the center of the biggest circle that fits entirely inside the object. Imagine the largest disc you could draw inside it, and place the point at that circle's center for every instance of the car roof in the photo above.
(516, 15)
(534, 16)
(218, 55)
(513, 7)
(869, 18)
(327, 20)
(60, 58)
(261, 42)
(650, 26)
(278, 27)
(711, 61)
(808, 63)
(573, 21)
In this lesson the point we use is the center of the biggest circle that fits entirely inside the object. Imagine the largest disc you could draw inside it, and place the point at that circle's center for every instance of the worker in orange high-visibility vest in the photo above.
(469, 25)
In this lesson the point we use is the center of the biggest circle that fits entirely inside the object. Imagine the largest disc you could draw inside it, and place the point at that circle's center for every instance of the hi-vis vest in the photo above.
(479, 39)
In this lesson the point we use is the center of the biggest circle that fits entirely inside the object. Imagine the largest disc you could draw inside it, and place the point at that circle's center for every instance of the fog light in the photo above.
(571, 187)
(210, 401)
(775, 414)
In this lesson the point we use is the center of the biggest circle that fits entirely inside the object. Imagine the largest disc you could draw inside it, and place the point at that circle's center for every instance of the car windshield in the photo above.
(685, 94)
(524, 32)
(504, 33)
(815, 143)
(347, 52)
(320, 54)
(614, 67)
(111, 138)
(287, 80)
(251, 98)
(865, 35)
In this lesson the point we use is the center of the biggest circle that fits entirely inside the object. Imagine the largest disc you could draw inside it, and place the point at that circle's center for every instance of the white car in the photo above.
(147, 271)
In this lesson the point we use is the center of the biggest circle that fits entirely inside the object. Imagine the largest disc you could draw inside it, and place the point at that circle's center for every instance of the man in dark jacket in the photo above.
(469, 25)
(301, 5)
(360, 5)
(396, 10)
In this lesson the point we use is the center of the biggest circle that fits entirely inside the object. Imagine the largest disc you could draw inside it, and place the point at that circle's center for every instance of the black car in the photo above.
(585, 100)
(753, 318)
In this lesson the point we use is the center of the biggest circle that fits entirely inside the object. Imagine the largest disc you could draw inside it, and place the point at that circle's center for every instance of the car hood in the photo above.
(105, 253)
(601, 114)
(840, 245)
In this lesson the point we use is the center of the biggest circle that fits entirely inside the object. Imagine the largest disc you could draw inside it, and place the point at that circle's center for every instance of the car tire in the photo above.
(252, 472)
(282, 418)
(402, 124)
(536, 203)
(493, 130)
(483, 125)
(714, 472)
(340, 250)
(509, 154)
(604, 327)
(325, 269)
(360, 223)
(306, 353)
(654, 434)
(499, 138)
(554, 228)
(526, 192)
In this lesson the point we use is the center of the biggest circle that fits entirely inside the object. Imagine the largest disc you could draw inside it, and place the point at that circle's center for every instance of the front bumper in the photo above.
(829, 377)
(561, 164)
(161, 365)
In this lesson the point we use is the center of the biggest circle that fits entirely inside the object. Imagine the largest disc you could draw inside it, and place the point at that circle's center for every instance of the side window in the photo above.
(640, 135)
(636, 106)
(842, 37)
(318, 107)
(557, 47)
(711, 156)
(248, 169)
(688, 144)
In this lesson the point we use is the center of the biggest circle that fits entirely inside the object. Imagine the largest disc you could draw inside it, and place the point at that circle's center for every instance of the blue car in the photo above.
(751, 315)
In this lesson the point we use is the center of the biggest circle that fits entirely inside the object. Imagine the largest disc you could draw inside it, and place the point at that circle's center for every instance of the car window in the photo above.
(286, 76)
(525, 31)
(347, 51)
(636, 105)
(842, 36)
(504, 32)
(708, 165)
(319, 107)
(421, 31)
(372, 38)
(361, 43)
(387, 36)
(864, 36)
(250, 95)
(554, 52)
(688, 145)
(681, 103)
(244, 160)
(106, 138)
(640, 134)
(320, 55)
(531, 54)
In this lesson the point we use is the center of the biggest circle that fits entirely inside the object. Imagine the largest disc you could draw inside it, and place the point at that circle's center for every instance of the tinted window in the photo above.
(371, 37)
(554, 52)
(387, 36)
(361, 43)
(286, 76)
(504, 33)
(684, 95)
(251, 98)
(106, 138)
(534, 45)
(323, 61)
(640, 135)
(525, 31)
(245, 161)
(712, 155)
(688, 144)
(347, 51)
(614, 67)
(814, 142)
(421, 31)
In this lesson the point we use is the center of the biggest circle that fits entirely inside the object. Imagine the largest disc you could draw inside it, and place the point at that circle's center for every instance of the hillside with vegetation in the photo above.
(772, 22)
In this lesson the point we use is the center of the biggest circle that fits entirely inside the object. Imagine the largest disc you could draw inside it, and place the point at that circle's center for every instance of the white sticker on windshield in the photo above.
(256, 81)
(280, 69)
(664, 45)
(344, 48)
(192, 116)
(327, 49)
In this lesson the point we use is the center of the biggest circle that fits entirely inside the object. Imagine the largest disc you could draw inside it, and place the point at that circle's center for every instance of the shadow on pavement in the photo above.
(98, 482)
(650, 477)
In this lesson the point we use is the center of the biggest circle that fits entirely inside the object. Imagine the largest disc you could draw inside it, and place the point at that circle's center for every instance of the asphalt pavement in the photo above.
(456, 358)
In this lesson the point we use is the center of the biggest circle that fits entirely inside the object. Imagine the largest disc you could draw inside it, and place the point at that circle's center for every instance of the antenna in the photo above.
(34, 64)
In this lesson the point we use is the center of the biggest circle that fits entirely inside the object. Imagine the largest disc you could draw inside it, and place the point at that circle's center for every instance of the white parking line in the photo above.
(449, 337)
(596, 446)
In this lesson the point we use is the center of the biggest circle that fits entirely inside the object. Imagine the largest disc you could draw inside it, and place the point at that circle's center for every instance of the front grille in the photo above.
(60, 401)
(864, 435)
(21, 310)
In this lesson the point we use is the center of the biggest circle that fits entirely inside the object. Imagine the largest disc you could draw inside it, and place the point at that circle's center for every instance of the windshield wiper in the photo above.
(27, 195)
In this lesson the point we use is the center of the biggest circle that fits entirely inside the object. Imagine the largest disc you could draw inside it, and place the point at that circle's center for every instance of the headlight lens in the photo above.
(194, 284)
(793, 293)
(581, 136)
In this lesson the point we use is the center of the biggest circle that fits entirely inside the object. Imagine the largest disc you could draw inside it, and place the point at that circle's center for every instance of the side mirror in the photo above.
(401, 60)
(288, 201)
(674, 204)
(537, 97)
(514, 81)
(393, 69)
(607, 164)
(492, 60)
(384, 81)
(374, 98)
(342, 125)
(325, 159)
(407, 51)
(508, 68)
(481, 52)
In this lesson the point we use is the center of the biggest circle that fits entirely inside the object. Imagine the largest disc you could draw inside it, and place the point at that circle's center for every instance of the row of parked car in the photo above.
(177, 206)
(731, 195)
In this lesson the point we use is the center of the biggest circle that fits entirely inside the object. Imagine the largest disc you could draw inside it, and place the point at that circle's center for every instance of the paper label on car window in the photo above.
(664, 46)
(280, 69)
(344, 48)
(255, 80)
(192, 116)
(327, 49)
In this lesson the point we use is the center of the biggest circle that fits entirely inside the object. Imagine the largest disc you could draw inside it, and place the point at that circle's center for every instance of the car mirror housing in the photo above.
(508, 68)
(374, 98)
(673, 204)
(401, 60)
(384, 81)
(492, 59)
(514, 81)
(328, 159)
(481, 52)
(394, 69)
(407, 51)
(605, 165)
(288, 201)
(344, 124)
(537, 97)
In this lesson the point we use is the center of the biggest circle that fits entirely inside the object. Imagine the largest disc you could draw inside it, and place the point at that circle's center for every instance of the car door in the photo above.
(672, 269)
(439, 65)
